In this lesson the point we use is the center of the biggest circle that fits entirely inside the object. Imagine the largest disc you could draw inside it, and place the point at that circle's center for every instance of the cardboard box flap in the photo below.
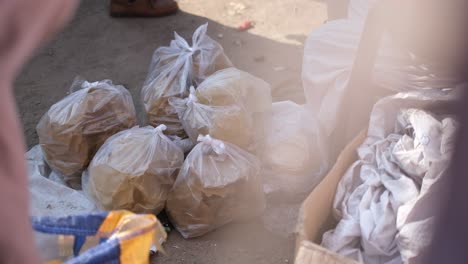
(316, 216)
(310, 253)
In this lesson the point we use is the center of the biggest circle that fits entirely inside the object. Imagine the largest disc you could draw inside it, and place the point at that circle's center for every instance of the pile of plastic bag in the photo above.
(197, 104)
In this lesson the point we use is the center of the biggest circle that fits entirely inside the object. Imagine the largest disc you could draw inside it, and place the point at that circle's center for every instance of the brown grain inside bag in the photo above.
(214, 188)
(233, 87)
(173, 70)
(134, 170)
(233, 123)
(74, 128)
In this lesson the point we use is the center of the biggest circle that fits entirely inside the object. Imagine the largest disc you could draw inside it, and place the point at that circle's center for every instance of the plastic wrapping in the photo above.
(231, 123)
(186, 144)
(230, 105)
(218, 183)
(48, 197)
(173, 70)
(134, 170)
(232, 86)
(291, 154)
(235, 87)
(74, 128)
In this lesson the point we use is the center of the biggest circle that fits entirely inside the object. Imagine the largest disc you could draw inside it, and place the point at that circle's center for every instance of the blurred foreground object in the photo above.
(24, 25)
(450, 238)
(109, 237)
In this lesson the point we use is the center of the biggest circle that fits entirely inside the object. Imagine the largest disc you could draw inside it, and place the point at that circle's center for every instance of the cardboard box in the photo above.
(316, 212)
(310, 253)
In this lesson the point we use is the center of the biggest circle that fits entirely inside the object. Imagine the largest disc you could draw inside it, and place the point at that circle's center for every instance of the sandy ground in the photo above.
(96, 47)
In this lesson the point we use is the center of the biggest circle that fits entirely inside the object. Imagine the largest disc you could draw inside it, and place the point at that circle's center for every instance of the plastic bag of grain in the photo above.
(134, 170)
(173, 70)
(219, 183)
(232, 86)
(231, 123)
(73, 129)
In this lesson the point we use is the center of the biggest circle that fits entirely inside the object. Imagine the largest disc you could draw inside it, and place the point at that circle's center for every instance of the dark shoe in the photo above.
(142, 8)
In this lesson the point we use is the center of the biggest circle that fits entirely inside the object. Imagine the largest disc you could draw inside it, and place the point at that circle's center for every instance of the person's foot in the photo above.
(142, 8)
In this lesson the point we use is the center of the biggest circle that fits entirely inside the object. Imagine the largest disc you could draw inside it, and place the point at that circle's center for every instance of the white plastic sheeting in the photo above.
(385, 202)
(48, 195)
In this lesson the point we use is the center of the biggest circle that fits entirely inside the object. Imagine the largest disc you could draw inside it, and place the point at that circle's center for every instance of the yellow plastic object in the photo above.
(114, 237)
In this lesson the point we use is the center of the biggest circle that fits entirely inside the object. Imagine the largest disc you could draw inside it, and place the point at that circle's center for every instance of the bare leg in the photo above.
(24, 25)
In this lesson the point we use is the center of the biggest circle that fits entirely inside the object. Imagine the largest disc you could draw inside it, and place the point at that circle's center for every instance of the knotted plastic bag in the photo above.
(134, 170)
(235, 87)
(74, 128)
(230, 123)
(218, 183)
(173, 70)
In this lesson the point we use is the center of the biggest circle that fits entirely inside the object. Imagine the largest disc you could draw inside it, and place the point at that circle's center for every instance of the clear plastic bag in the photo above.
(173, 70)
(235, 87)
(219, 183)
(74, 128)
(232, 86)
(291, 155)
(134, 170)
(231, 123)
(230, 105)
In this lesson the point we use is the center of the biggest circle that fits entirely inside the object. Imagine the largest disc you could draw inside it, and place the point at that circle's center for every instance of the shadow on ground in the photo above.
(97, 47)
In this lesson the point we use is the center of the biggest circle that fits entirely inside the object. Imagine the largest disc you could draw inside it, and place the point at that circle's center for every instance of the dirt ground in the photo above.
(97, 47)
